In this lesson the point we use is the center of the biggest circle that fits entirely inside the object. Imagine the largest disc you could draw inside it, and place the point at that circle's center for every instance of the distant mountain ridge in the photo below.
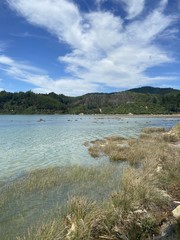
(153, 90)
(144, 100)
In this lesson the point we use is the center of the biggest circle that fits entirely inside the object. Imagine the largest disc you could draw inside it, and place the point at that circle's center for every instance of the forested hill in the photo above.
(153, 90)
(145, 100)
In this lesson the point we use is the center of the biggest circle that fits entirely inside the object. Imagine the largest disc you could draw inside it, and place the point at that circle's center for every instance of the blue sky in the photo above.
(78, 46)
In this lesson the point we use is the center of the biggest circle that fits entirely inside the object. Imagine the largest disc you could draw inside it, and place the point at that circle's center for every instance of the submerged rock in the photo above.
(41, 120)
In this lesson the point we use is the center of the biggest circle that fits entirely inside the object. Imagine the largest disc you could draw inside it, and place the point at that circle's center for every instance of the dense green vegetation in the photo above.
(145, 100)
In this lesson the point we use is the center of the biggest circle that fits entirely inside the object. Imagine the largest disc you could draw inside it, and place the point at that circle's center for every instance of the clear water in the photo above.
(26, 143)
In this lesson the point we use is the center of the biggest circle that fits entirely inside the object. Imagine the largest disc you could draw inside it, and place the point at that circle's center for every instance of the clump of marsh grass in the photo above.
(112, 146)
(79, 217)
(170, 137)
(138, 190)
(126, 214)
(176, 130)
(115, 138)
(123, 216)
(37, 191)
(90, 220)
(152, 144)
(153, 130)
(135, 151)
(170, 177)
(173, 135)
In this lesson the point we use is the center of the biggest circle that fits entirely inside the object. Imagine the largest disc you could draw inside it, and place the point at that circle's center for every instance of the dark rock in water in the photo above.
(41, 120)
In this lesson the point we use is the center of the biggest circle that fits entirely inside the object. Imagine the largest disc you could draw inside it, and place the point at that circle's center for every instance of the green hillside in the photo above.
(145, 100)
(153, 90)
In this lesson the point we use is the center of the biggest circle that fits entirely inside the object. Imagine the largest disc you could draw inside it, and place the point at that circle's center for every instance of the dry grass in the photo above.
(170, 137)
(139, 190)
(137, 206)
(134, 151)
(113, 146)
(176, 129)
(153, 130)
(38, 195)
(119, 217)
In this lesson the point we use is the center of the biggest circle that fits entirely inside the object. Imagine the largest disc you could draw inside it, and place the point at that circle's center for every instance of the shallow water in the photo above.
(26, 143)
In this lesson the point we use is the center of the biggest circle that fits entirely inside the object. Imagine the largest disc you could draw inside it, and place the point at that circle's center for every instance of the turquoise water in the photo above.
(27, 143)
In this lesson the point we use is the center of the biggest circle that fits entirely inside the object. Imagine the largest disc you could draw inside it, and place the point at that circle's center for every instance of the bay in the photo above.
(28, 142)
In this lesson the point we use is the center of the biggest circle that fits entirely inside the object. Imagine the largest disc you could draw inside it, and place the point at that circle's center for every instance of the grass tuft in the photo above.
(153, 130)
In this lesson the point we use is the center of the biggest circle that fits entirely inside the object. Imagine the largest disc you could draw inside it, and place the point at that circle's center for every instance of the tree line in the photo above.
(145, 100)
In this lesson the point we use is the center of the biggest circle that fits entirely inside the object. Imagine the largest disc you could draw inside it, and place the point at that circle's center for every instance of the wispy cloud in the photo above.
(105, 50)
(41, 81)
(7, 61)
(29, 35)
(3, 46)
(170, 34)
(133, 7)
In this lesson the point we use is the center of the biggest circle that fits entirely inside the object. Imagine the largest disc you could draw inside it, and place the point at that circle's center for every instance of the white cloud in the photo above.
(133, 7)
(104, 50)
(41, 81)
(61, 18)
(163, 4)
(170, 34)
(69, 87)
(7, 61)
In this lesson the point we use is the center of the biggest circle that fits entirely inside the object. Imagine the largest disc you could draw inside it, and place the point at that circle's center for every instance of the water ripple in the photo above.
(26, 143)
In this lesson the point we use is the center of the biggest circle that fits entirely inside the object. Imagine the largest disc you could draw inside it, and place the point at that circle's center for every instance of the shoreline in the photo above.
(139, 115)
(99, 115)
(138, 202)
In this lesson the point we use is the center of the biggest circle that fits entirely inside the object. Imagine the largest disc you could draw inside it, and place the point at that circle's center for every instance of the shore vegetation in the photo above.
(108, 202)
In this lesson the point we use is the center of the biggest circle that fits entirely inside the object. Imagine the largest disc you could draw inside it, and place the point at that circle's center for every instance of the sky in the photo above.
(74, 47)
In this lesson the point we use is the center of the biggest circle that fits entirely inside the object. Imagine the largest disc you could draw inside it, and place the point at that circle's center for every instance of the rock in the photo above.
(176, 212)
(41, 120)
